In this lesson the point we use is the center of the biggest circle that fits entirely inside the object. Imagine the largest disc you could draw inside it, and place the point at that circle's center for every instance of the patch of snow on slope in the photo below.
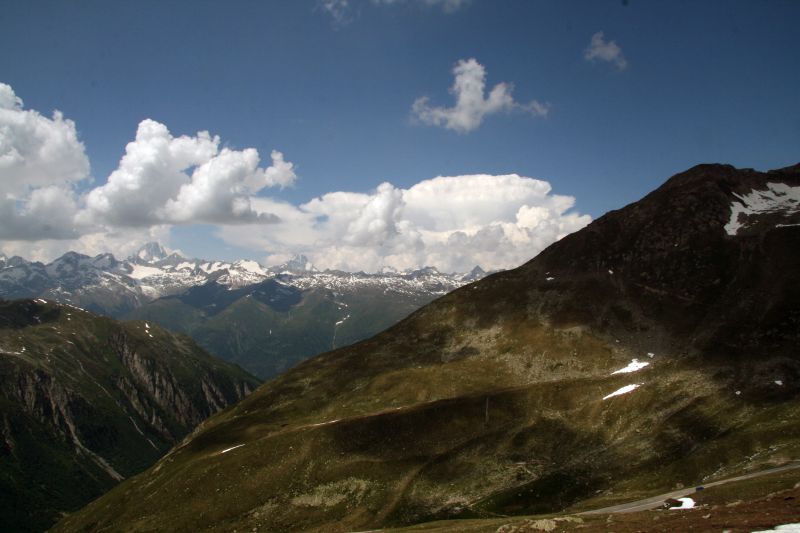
(777, 198)
(623, 390)
(226, 450)
(633, 366)
(141, 271)
(210, 268)
(686, 503)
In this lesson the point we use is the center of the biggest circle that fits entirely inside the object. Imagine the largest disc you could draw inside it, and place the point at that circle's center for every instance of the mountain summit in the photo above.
(152, 252)
(655, 347)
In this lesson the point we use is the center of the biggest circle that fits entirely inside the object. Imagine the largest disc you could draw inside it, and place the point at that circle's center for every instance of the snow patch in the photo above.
(210, 268)
(686, 503)
(633, 366)
(226, 450)
(141, 271)
(324, 423)
(623, 390)
(39, 300)
(779, 382)
(549, 279)
(777, 198)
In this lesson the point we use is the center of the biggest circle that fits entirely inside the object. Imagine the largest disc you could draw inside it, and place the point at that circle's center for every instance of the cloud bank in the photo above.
(607, 51)
(162, 180)
(452, 223)
(472, 105)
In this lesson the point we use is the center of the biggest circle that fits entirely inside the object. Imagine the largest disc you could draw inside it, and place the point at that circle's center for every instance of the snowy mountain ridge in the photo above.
(108, 285)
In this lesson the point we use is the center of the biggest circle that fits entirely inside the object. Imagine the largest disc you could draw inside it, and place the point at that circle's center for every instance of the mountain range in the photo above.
(86, 401)
(105, 285)
(655, 348)
(264, 319)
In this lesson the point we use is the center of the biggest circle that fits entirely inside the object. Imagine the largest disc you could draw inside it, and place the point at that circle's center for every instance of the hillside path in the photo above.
(656, 501)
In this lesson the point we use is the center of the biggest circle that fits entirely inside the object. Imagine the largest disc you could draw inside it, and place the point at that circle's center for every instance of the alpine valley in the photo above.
(655, 349)
(86, 401)
(264, 319)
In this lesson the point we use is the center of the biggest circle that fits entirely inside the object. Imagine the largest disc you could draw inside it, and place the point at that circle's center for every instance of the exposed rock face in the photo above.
(86, 402)
(526, 392)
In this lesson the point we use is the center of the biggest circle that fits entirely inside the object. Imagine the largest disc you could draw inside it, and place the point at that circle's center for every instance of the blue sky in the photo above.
(688, 82)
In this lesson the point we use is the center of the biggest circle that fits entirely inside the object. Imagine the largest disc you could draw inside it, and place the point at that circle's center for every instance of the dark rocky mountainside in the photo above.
(86, 402)
(657, 346)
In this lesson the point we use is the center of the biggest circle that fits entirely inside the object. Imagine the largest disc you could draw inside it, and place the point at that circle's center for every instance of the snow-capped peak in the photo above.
(299, 264)
(152, 252)
(250, 266)
(474, 274)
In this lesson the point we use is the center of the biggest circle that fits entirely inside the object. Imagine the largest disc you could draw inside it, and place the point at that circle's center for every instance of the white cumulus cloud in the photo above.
(188, 179)
(601, 50)
(452, 223)
(472, 104)
(161, 180)
(41, 159)
(36, 150)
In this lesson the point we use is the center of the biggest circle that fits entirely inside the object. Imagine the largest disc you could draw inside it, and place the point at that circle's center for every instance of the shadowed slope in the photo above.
(86, 401)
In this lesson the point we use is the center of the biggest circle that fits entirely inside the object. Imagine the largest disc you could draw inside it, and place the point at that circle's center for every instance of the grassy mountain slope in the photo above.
(498, 399)
(86, 401)
(269, 327)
